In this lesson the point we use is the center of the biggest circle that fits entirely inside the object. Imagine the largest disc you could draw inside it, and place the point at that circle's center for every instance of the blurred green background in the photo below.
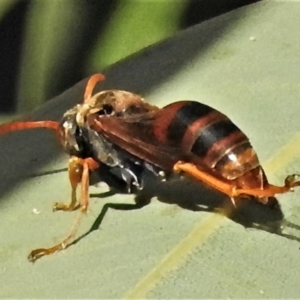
(47, 46)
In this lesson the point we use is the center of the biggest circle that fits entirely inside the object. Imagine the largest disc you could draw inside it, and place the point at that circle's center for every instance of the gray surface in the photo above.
(246, 64)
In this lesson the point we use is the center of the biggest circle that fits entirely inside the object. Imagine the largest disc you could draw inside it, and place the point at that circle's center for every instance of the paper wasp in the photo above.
(119, 130)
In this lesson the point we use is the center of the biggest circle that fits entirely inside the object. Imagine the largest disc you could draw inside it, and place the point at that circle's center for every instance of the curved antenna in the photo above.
(14, 126)
(93, 80)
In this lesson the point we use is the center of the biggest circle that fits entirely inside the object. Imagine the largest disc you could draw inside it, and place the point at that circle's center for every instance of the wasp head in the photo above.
(72, 133)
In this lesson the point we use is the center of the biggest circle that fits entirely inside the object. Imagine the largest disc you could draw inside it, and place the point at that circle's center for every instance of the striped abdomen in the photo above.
(212, 139)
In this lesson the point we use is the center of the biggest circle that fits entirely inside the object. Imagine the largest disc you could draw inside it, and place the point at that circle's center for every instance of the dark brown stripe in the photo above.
(186, 115)
(212, 134)
(223, 147)
(192, 132)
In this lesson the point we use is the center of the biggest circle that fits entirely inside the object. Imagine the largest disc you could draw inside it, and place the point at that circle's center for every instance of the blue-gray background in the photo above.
(244, 63)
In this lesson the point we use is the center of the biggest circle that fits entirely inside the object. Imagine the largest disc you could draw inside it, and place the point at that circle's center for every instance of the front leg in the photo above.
(79, 173)
(75, 170)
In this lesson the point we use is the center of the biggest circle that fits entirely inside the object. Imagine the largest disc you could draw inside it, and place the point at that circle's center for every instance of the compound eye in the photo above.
(106, 110)
(68, 132)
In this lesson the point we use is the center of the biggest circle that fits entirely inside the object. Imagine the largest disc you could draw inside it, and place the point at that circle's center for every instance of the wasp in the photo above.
(118, 130)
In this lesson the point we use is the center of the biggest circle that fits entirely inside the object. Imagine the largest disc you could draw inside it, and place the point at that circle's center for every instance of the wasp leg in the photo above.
(232, 191)
(87, 164)
(233, 201)
(206, 178)
(132, 175)
(270, 190)
(40, 252)
(75, 170)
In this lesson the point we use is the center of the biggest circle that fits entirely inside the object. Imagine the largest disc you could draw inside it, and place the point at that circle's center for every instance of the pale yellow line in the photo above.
(284, 156)
(203, 229)
(176, 256)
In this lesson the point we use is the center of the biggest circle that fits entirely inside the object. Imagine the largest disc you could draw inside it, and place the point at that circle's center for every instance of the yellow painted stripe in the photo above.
(176, 257)
(284, 156)
(201, 232)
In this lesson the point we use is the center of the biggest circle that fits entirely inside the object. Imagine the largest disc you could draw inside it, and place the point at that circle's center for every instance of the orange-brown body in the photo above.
(182, 131)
